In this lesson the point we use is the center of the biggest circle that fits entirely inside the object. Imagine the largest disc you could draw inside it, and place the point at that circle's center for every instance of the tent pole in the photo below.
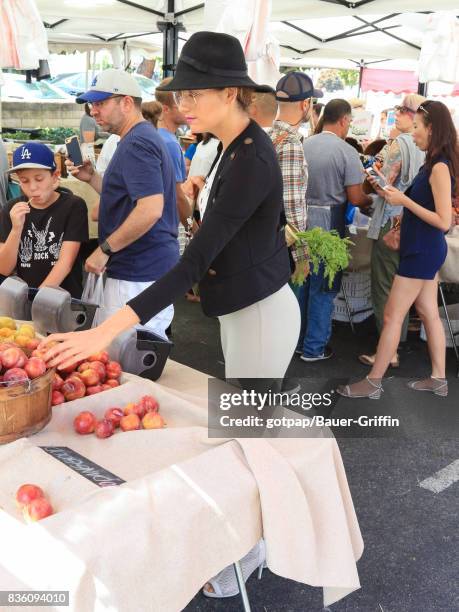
(422, 89)
(362, 65)
(170, 28)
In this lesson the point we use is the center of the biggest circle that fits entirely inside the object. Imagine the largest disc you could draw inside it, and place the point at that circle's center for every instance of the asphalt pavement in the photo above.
(403, 483)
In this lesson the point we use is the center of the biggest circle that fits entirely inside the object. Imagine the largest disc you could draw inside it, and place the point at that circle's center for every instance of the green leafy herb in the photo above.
(326, 248)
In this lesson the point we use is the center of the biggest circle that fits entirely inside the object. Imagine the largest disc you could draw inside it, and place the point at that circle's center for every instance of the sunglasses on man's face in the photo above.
(404, 110)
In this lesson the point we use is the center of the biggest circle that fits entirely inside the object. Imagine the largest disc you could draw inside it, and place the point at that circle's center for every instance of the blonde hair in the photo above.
(413, 101)
(244, 97)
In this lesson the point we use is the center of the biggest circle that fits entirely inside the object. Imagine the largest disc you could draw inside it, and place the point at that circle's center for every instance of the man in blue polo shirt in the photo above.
(138, 217)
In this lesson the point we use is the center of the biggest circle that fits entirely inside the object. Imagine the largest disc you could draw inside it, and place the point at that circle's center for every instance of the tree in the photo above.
(330, 80)
(350, 77)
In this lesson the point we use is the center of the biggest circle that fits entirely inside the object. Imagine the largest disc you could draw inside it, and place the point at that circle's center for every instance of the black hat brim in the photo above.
(188, 77)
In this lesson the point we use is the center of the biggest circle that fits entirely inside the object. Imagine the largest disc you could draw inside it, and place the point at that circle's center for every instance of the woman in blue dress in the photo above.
(427, 215)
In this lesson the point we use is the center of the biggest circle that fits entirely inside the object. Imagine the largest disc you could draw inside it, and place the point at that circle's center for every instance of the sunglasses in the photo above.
(404, 110)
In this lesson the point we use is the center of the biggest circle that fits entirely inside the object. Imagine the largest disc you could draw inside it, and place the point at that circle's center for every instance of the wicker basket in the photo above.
(25, 408)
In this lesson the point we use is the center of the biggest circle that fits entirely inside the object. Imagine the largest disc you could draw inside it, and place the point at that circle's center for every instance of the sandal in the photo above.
(373, 391)
(225, 583)
(369, 360)
(438, 386)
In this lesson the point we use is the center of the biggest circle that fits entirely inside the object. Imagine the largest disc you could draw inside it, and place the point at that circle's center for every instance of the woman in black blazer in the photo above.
(239, 254)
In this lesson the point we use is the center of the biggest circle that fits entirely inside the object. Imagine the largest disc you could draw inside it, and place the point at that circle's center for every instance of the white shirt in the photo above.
(108, 150)
(203, 158)
(203, 197)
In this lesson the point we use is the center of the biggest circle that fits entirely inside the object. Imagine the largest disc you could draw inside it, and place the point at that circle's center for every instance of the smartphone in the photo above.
(379, 178)
(74, 151)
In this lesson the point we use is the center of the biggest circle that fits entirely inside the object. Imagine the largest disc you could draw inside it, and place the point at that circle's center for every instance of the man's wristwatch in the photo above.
(105, 248)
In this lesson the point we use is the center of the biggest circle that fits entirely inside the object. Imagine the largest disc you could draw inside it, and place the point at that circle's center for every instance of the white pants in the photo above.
(259, 341)
(118, 292)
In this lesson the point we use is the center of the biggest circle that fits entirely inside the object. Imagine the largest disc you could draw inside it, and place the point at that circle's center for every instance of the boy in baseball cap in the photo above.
(42, 230)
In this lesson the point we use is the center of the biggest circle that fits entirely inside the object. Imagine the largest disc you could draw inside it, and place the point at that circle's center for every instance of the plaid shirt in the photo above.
(289, 150)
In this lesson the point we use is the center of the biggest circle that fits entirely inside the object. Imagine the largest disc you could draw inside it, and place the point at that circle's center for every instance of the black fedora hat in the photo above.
(210, 60)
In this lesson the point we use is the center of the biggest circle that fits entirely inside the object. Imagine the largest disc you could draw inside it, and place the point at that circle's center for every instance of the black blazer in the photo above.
(239, 253)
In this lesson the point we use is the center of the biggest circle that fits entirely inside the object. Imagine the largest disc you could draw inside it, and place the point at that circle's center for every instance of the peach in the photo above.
(113, 369)
(99, 367)
(57, 398)
(90, 377)
(130, 422)
(22, 341)
(27, 493)
(102, 356)
(153, 420)
(106, 387)
(149, 403)
(32, 344)
(37, 510)
(133, 408)
(68, 369)
(14, 358)
(112, 382)
(104, 429)
(84, 422)
(35, 367)
(73, 388)
(114, 415)
(92, 390)
(14, 376)
(57, 383)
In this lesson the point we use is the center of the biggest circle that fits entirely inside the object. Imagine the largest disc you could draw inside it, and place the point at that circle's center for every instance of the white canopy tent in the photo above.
(310, 32)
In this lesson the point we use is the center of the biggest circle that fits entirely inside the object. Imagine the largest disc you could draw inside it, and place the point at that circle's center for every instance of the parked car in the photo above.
(16, 89)
(75, 83)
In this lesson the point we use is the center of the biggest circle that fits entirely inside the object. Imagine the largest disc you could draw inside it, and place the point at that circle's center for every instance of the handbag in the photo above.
(392, 238)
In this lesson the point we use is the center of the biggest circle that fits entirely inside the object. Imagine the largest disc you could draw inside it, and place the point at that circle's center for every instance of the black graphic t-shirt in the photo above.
(42, 236)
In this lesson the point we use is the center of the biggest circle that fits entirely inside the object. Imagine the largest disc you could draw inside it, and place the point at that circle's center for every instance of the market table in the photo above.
(190, 506)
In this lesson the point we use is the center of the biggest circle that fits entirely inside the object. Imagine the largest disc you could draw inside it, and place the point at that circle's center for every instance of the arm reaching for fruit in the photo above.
(77, 346)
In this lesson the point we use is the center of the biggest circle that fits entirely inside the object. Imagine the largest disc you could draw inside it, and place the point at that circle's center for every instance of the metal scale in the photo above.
(53, 310)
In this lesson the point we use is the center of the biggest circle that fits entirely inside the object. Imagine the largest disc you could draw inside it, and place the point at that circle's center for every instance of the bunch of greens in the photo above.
(56, 135)
(325, 248)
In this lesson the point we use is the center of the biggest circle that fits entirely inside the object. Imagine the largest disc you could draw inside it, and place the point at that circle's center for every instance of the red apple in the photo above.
(57, 382)
(113, 369)
(102, 356)
(27, 493)
(114, 415)
(90, 377)
(94, 389)
(104, 429)
(149, 403)
(37, 509)
(85, 422)
(133, 408)
(153, 420)
(14, 358)
(35, 367)
(130, 422)
(112, 382)
(57, 398)
(73, 388)
(14, 376)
